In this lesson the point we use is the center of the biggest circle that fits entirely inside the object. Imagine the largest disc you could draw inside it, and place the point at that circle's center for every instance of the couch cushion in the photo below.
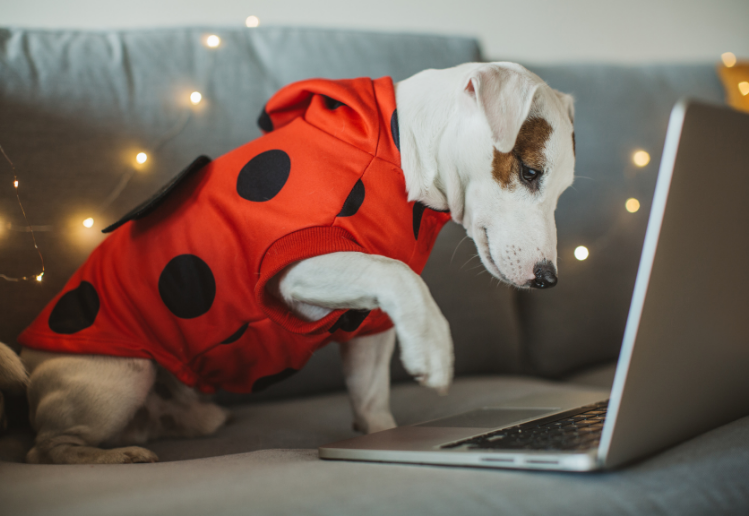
(316, 420)
(706, 475)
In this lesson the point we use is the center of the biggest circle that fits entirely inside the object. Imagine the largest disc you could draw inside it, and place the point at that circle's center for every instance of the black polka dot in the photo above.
(187, 286)
(353, 201)
(349, 321)
(264, 176)
(332, 103)
(236, 335)
(418, 212)
(395, 130)
(266, 381)
(75, 310)
(264, 121)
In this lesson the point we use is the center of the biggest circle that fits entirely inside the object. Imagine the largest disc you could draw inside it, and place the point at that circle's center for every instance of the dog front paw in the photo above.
(374, 423)
(428, 357)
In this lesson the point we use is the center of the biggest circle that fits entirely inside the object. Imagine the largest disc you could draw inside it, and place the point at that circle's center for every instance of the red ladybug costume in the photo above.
(182, 279)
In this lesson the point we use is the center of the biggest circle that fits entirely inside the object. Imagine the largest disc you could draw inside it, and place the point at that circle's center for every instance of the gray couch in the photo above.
(75, 107)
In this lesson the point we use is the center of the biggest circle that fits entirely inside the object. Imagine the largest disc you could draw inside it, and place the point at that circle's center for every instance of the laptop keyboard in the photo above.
(576, 431)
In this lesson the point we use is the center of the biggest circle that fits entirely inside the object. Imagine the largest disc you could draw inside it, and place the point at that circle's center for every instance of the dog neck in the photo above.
(426, 105)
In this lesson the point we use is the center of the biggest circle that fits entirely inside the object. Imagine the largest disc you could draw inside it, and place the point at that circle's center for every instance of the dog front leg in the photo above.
(366, 282)
(366, 367)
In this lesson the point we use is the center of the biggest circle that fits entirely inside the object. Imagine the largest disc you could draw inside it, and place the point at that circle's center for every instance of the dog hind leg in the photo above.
(366, 366)
(173, 410)
(78, 403)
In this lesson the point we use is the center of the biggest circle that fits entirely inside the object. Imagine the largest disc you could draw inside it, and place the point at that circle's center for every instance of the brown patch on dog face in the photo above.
(531, 142)
(529, 148)
(503, 168)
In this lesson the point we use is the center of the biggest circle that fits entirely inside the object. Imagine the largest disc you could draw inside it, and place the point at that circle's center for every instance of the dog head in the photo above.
(494, 144)
(511, 197)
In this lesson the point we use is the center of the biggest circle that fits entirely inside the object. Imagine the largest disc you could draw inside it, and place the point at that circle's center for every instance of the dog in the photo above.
(489, 145)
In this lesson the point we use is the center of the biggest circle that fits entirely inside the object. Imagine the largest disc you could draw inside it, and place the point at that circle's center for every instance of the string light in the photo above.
(641, 158)
(744, 88)
(581, 252)
(29, 227)
(212, 41)
(728, 59)
(632, 205)
(252, 21)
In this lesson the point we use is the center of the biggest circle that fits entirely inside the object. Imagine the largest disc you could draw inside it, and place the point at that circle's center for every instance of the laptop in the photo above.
(684, 363)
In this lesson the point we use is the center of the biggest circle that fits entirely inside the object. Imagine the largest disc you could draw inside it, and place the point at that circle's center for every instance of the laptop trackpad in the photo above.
(489, 417)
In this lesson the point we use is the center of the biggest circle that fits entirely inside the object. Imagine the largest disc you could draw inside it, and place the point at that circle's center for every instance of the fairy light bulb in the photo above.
(88, 223)
(213, 41)
(641, 158)
(252, 21)
(581, 252)
(141, 157)
(15, 184)
(632, 205)
(196, 97)
(39, 277)
(729, 59)
(744, 88)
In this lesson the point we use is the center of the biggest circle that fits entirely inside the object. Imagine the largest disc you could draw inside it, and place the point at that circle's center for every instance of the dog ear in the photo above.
(504, 95)
(569, 104)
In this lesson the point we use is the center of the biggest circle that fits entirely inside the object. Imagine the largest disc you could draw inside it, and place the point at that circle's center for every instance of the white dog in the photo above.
(491, 143)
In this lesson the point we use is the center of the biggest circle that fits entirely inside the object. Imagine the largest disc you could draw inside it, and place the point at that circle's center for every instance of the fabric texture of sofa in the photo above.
(76, 107)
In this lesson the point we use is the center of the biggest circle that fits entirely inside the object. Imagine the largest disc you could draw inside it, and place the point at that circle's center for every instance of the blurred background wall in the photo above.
(539, 31)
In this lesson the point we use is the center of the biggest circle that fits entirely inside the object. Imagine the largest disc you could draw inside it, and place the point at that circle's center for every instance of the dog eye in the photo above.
(528, 174)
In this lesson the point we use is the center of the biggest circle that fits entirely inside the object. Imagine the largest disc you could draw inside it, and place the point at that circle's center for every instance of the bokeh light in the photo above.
(632, 205)
(89, 222)
(729, 59)
(744, 88)
(141, 157)
(213, 41)
(252, 21)
(196, 97)
(581, 252)
(641, 158)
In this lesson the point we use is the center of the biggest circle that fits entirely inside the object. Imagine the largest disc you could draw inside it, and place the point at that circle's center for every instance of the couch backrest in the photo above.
(75, 108)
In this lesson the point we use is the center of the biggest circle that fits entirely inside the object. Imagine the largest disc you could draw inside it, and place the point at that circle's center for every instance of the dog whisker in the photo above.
(456, 248)
(469, 259)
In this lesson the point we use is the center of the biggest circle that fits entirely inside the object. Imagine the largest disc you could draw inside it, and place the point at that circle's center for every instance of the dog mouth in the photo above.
(497, 272)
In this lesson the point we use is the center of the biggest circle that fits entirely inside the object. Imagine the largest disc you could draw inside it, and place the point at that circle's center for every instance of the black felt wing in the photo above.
(156, 199)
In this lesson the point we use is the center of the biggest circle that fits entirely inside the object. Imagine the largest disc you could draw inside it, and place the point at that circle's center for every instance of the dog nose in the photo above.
(546, 275)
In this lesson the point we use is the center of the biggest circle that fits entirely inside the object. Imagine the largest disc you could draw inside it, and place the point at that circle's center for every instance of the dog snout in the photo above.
(546, 275)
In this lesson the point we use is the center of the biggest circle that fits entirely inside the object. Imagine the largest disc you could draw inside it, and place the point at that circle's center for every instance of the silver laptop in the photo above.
(684, 362)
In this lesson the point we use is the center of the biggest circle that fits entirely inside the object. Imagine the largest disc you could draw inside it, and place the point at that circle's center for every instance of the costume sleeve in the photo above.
(294, 247)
